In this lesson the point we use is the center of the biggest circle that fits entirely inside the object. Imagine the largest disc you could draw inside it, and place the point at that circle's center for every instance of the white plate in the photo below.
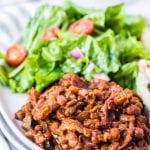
(3, 143)
(10, 102)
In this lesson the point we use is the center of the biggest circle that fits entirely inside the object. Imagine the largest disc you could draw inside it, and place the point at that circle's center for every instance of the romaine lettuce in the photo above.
(113, 48)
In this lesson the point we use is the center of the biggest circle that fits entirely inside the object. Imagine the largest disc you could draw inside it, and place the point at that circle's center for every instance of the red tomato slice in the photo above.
(50, 33)
(82, 26)
(16, 54)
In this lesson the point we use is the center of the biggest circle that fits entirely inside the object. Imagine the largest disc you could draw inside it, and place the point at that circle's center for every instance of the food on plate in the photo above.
(15, 54)
(83, 26)
(74, 114)
(71, 39)
(81, 68)
(50, 33)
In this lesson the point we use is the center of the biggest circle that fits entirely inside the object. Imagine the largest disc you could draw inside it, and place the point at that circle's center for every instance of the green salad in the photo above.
(71, 39)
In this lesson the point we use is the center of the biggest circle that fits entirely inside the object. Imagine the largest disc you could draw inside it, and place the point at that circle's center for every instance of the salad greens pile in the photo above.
(114, 47)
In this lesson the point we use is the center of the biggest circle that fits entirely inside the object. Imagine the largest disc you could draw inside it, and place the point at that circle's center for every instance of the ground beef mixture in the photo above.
(74, 114)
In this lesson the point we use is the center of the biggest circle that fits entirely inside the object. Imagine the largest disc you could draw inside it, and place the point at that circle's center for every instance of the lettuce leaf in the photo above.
(74, 66)
(74, 11)
(52, 52)
(44, 78)
(97, 17)
(107, 57)
(115, 18)
(25, 79)
(3, 76)
(130, 49)
(45, 17)
(126, 76)
(135, 24)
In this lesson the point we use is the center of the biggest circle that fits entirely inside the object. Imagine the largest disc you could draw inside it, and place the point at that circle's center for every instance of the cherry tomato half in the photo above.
(82, 26)
(15, 55)
(50, 33)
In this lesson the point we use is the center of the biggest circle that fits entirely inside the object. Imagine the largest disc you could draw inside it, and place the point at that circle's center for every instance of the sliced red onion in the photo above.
(90, 67)
(76, 53)
(102, 76)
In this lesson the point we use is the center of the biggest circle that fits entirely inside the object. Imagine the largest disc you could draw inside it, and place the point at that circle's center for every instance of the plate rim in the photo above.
(16, 131)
